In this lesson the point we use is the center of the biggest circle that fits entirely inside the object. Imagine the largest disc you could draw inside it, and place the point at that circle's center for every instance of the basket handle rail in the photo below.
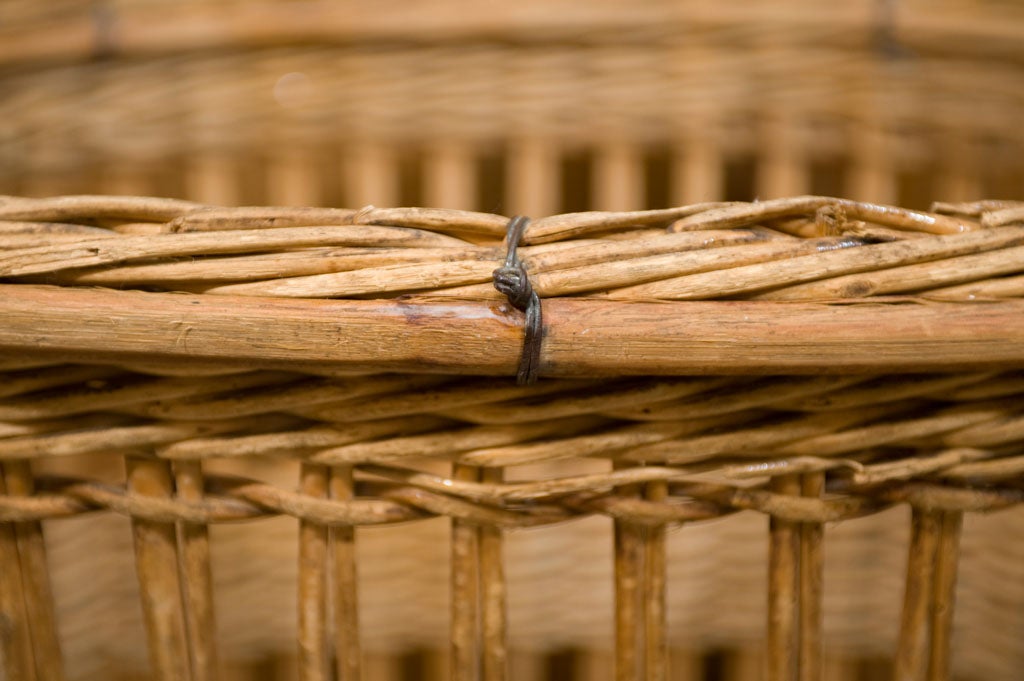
(581, 337)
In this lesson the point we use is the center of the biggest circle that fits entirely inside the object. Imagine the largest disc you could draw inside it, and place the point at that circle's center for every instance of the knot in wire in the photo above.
(512, 281)
(514, 284)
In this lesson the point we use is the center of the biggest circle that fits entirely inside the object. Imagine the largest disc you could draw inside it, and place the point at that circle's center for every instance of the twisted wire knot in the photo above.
(512, 281)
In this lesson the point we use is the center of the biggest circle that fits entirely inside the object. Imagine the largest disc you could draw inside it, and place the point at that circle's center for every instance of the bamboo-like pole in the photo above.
(912, 656)
(156, 562)
(370, 175)
(618, 176)
(313, 652)
(449, 177)
(655, 648)
(629, 587)
(35, 572)
(493, 594)
(698, 168)
(812, 567)
(197, 587)
(210, 178)
(465, 569)
(947, 556)
(582, 337)
(873, 176)
(783, 170)
(784, 589)
(628, 575)
(16, 642)
(346, 595)
(534, 175)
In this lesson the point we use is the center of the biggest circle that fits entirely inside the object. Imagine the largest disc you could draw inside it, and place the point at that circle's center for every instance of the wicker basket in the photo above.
(846, 373)
(532, 107)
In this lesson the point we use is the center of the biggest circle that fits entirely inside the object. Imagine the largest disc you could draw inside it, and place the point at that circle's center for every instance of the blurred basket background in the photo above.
(528, 107)
(534, 108)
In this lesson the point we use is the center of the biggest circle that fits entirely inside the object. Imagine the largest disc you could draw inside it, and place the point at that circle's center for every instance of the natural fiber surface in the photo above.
(74, 403)
(338, 103)
(872, 350)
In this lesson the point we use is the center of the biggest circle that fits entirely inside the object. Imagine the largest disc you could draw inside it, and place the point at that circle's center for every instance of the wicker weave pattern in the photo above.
(505, 107)
(492, 456)
(188, 101)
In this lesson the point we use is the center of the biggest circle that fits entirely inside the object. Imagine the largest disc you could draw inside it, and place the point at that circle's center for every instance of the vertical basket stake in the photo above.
(783, 588)
(493, 595)
(944, 593)
(465, 590)
(655, 649)
(35, 573)
(346, 595)
(618, 176)
(313, 652)
(196, 578)
(449, 178)
(156, 561)
(812, 565)
(912, 653)
(15, 638)
(370, 171)
(629, 577)
(534, 173)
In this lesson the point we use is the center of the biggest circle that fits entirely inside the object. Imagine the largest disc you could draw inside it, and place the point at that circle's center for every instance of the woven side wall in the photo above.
(823, 362)
(524, 114)
(535, 108)
(560, 590)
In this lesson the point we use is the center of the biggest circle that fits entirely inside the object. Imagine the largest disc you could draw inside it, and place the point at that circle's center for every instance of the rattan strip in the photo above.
(551, 422)
(691, 498)
(379, 249)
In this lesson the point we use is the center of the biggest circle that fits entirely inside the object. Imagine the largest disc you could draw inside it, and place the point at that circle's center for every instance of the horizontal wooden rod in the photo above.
(149, 30)
(582, 336)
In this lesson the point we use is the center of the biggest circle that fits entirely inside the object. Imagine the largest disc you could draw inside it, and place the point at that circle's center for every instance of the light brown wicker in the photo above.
(824, 363)
(534, 107)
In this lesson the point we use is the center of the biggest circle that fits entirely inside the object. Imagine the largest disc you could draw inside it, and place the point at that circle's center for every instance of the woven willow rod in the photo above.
(814, 361)
(583, 338)
(140, 28)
